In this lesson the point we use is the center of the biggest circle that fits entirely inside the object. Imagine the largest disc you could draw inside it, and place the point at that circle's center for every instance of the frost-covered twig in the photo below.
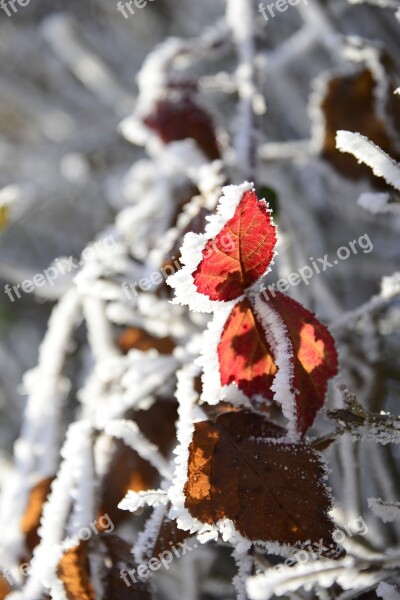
(367, 152)
(348, 572)
(362, 424)
(380, 3)
(300, 150)
(390, 290)
(70, 485)
(100, 334)
(240, 16)
(130, 433)
(387, 511)
(133, 501)
(37, 449)
(379, 203)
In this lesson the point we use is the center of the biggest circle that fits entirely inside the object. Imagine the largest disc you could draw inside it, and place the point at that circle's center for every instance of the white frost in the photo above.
(387, 592)
(278, 338)
(133, 501)
(282, 580)
(378, 203)
(387, 511)
(244, 563)
(73, 470)
(367, 152)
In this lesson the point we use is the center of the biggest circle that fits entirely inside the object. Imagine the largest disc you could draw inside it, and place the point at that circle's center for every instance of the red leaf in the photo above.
(247, 358)
(314, 358)
(272, 491)
(244, 354)
(240, 254)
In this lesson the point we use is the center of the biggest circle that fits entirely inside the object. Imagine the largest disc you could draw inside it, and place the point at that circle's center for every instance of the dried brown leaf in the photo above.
(350, 104)
(272, 491)
(111, 555)
(139, 339)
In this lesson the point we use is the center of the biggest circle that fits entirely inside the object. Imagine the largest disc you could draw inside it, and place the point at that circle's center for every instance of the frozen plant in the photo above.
(174, 394)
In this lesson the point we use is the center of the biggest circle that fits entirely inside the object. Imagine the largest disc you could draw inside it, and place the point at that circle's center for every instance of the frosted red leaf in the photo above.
(244, 355)
(247, 359)
(241, 252)
(314, 358)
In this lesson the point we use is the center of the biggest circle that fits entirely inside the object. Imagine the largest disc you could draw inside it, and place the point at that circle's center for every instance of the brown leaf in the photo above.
(272, 491)
(111, 555)
(31, 518)
(139, 339)
(350, 104)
